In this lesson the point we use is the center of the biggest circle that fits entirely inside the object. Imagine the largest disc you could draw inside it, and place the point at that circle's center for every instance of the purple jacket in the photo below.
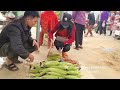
(79, 17)
(104, 16)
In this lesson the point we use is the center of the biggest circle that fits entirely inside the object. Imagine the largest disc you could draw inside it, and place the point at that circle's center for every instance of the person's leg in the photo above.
(7, 51)
(77, 35)
(66, 48)
(58, 44)
(110, 32)
(81, 35)
(91, 30)
(101, 28)
(104, 29)
(98, 27)
(88, 31)
(49, 43)
(41, 38)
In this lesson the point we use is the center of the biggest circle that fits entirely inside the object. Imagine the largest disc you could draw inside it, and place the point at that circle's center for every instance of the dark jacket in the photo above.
(91, 18)
(17, 34)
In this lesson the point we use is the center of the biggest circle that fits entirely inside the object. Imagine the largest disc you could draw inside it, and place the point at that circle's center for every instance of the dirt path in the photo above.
(99, 59)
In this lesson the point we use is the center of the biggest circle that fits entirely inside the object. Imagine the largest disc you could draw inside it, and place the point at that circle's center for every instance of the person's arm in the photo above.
(14, 36)
(51, 32)
(30, 39)
(71, 37)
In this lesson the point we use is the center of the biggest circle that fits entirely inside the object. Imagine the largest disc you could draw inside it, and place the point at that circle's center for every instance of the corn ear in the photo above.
(71, 77)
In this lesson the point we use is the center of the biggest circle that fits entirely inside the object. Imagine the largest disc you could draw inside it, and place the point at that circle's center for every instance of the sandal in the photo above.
(11, 67)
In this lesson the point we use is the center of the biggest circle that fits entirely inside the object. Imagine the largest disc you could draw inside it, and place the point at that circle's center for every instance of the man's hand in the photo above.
(35, 44)
(30, 57)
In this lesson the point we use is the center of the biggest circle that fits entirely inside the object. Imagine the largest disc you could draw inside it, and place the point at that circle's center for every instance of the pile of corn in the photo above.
(54, 57)
(53, 68)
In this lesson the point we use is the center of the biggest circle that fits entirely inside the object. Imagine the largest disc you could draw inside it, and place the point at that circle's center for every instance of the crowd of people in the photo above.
(108, 21)
(16, 40)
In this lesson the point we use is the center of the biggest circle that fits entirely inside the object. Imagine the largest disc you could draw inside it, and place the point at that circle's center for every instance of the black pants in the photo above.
(98, 27)
(110, 32)
(102, 29)
(7, 51)
(61, 45)
(79, 34)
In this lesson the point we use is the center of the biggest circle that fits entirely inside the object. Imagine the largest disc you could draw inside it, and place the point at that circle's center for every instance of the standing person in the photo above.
(79, 20)
(64, 33)
(48, 21)
(103, 20)
(98, 22)
(16, 40)
(91, 22)
(112, 18)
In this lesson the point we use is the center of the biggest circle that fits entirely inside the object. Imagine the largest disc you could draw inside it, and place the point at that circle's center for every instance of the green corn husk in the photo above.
(63, 67)
(34, 71)
(43, 72)
(51, 63)
(73, 72)
(55, 74)
(61, 77)
(49, 77)
(53, 59)
(54, 55)
(38, 78)
(66, 63)
(36, 66)
(56, 70)
(71, 68)
(71, 77)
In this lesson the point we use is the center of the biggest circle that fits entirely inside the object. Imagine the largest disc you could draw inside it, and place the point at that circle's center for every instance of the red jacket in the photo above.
(48, 20)
(63, 33)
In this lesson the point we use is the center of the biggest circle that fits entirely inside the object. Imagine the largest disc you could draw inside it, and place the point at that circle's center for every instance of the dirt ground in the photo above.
(99, 59)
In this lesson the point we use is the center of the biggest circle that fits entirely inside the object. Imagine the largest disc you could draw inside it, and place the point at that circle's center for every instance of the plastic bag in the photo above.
(95, 25)
(103, 24)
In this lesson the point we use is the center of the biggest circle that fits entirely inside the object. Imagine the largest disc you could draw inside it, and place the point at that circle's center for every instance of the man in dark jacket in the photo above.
(16, 40)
